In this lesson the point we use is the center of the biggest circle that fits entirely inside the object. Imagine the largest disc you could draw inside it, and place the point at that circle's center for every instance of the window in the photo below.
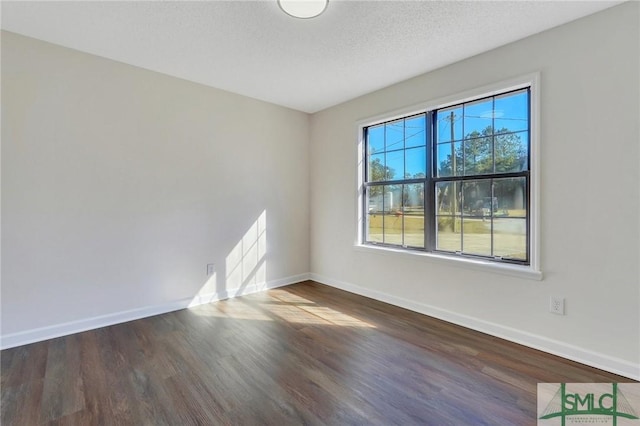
(453, 180)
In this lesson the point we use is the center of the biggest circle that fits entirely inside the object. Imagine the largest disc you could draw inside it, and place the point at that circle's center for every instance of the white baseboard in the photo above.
(64, 329)
(555, 347)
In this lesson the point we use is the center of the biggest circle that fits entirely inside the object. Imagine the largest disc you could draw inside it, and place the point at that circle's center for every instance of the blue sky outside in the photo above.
(510, 112)
(400, 144)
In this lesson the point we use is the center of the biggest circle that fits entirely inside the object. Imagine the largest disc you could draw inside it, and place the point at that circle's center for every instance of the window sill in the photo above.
(526, 272)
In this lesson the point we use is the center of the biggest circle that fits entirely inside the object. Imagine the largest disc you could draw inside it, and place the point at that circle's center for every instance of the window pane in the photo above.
(510, 238)
(375, 202)
(478, 118)
(476, 198)
(448, 236)
(511, 197)
(449, 221)
(415, 163)
(375, 198)
(448, 198)
(375, 139)
(478, 156)
(392, 198)
(476, 237)
(414, 215)
(511, 152)
(446, 132)
(512, 112)
(395, 164)
(376, 168)
(476, 221)
(449, 153)
(415, 133)
(394, 135)
(374, 228)
(393, 220)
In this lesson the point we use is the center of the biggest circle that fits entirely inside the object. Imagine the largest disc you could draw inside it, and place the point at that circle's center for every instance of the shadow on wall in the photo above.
(244, 269)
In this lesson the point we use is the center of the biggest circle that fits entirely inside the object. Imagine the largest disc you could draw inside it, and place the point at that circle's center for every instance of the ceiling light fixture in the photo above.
(303, 9)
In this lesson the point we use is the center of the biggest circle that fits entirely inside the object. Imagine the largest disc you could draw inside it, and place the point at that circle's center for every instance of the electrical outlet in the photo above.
(210, 269)
(556, 305)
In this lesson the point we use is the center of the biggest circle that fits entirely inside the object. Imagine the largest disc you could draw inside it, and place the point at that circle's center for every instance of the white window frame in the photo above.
(531, 271)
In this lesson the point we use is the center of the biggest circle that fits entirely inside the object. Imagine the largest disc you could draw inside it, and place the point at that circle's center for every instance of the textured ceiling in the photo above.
(254, 49)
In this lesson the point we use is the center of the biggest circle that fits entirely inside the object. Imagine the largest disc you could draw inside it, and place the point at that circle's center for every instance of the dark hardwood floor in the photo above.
(302, 354)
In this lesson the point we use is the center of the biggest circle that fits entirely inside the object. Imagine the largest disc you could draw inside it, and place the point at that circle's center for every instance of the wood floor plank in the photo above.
(62, 372)
(94, 373)
(24, 364)
(79, 418)
(301, 354)
(20, 404)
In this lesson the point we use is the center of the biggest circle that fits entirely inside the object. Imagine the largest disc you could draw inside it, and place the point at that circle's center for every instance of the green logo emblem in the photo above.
(583, 404)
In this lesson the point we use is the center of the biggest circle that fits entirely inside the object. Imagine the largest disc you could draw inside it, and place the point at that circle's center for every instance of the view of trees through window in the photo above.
(454, 179)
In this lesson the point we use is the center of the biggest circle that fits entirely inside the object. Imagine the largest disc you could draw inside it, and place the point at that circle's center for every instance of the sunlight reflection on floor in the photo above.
(279, 305)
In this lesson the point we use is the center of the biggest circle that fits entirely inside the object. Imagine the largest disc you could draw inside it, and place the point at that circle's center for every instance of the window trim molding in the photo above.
(531, 271)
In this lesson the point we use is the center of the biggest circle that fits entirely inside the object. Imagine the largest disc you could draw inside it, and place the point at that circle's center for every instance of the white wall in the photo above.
(590, 208)
(119, 185)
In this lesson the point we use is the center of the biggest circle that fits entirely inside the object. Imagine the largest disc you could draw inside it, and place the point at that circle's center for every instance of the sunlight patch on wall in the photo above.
(246, 264)
(208, 293)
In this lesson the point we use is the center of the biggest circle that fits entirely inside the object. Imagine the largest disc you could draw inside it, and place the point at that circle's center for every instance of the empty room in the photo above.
(320, 212)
